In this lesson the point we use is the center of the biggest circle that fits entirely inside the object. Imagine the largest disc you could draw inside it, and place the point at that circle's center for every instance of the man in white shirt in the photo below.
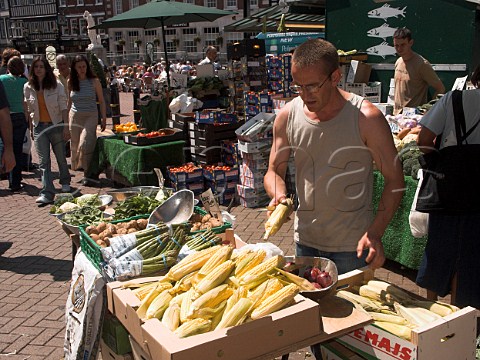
(211, 57)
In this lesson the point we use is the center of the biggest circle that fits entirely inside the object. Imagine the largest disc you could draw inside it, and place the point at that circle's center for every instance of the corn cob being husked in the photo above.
(215, 277)
(278, 217)
(247, 261)
(261, 270)
(210, 300)
(217, 258)
(191, 263)
(142, 310)
(264, 290)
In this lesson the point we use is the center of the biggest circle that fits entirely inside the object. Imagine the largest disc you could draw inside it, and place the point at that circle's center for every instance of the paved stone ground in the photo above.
(35, 265)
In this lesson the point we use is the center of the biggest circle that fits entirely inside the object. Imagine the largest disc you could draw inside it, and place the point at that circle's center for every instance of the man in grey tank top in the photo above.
(335, 137)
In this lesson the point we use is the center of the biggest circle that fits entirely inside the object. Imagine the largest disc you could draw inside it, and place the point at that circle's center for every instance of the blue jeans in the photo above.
(345, 261)
(46, 134)
(19, 127)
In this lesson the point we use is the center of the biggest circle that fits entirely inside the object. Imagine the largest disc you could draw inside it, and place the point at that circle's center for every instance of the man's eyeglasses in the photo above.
(314, 88)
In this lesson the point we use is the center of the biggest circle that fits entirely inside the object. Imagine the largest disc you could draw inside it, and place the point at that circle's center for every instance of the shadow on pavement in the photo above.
(35, 264)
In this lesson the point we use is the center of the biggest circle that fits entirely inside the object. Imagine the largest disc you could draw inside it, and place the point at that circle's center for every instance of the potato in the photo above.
(215, 222)
(95, 237)
(131, 230)
(101, 243)
(101, 227)
(122, 231)
(111, 228)
(107, 241)
(91, 229)
(107, 233)
(206, 218)
(132, 224)
(142, 224)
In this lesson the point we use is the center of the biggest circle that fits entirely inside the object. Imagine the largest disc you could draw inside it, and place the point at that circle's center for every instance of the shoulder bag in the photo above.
(451, 183)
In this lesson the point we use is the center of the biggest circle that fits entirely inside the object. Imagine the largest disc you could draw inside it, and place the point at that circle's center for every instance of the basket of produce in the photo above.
(321, 273)
(94, 237)
(129, 128)
(86, 215)
(67, 202)
(154, 137)
(137, 205)
(202, 221)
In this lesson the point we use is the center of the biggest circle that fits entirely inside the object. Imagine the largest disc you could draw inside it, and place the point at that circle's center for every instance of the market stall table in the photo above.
(398, 241)
(133, 165)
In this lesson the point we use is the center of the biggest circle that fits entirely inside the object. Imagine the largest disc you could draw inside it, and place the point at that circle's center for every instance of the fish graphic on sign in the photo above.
(382, 50)
(383, 32)
(386, 11)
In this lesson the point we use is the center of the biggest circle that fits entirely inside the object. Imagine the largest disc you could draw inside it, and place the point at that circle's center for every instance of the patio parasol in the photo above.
(161, 13)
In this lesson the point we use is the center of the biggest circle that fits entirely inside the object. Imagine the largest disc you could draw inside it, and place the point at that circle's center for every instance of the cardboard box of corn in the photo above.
(217, 303)
(405, 326)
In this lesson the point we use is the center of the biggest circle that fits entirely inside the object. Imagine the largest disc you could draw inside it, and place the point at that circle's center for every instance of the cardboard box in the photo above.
(109, 354)
(137, 351)
(452, 337)
(282, 328)
(359, 72)
(385, 108)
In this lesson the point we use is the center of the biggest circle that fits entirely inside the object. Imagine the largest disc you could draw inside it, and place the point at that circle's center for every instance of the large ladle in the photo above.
(177, 209)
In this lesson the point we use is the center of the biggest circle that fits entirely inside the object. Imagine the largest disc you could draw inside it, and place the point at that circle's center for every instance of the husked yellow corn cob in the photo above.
(248, 261)
(236, 315)
(193, 327)
(159, 305)
(264, 290)
(215, 277)
(402, 331)
(275, 301)
(142, 310)
(211, 299)
(218, 315)
(437, 307)
(177, 299)
(186, 305)
(395, 293)
(300, 281)
(242, 252)
(240, 292)
(171, 317)
(191, 263)
(278, 217)
(220, 256)
(142, 291)
(261, 270)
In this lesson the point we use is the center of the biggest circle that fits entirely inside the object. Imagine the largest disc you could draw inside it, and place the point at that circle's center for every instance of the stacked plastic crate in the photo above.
(254, 144)
(279, 74)
(256, 103)
(180, 121)
(188, 176)
(222, 180)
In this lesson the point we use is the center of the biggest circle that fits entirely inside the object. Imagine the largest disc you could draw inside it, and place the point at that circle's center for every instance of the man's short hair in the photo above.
(315, 51)
(8, 53)
(211, 49)
(61, 57)
(16, 66)
(403, 33)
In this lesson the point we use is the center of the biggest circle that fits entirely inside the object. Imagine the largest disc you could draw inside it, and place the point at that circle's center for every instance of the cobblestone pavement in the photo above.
(36, 264)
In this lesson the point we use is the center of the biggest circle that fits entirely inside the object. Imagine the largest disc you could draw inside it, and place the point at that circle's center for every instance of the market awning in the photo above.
(297, 18)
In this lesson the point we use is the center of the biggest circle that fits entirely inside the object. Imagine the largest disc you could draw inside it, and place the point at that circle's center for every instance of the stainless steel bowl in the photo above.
(322, 264)
(125, 193)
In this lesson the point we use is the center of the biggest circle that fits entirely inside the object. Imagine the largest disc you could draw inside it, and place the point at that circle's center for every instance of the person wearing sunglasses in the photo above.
(335, 138)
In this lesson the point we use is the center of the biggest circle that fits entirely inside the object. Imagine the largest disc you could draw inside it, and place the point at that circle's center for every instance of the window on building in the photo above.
(80, 2)
(133, 4)
(253, 4)
(189, 46)
(99, 21)
(150, 32)
(189, 1)
(15, 3)
(118, 7)
(211, 35)
(171, 47)
(231, 4)
(82, 25)
(210, 3)
(74, 26)
(3, 4)
(117, 35)
(189, 31)
(62, 3)
(232, 37)
(98, 2)
(65, 30)
(170, 32)
(3, 30)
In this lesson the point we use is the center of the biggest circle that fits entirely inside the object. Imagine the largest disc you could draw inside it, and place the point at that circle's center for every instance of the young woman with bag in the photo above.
(47, 109)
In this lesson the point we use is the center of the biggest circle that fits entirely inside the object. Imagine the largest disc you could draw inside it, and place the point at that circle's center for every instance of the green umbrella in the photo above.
(161, 13)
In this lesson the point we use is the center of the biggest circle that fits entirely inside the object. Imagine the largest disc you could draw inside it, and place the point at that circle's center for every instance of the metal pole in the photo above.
(166, 54)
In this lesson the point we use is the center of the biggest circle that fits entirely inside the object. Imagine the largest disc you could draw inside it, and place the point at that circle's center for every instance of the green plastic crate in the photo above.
(91, 249)
(216, 230)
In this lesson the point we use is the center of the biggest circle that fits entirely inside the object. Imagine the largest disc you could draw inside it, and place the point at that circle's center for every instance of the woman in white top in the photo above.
(47, 115)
